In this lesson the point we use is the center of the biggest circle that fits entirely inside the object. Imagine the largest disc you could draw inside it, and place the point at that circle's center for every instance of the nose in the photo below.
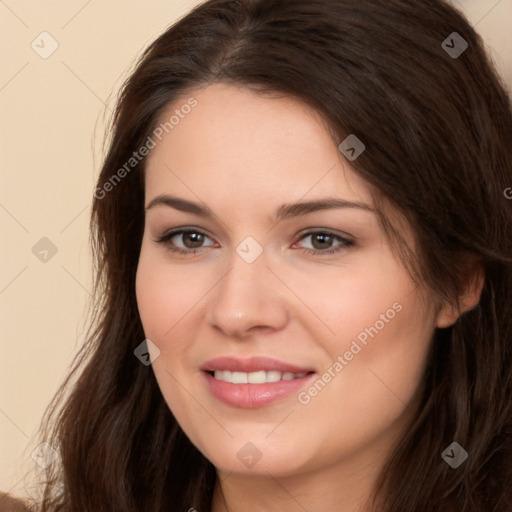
(249, 299)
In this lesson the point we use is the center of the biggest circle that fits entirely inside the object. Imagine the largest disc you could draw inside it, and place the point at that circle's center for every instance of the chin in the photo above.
(255, 455)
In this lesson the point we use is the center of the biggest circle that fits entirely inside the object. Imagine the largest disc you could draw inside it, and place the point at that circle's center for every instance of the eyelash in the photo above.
(165, 239)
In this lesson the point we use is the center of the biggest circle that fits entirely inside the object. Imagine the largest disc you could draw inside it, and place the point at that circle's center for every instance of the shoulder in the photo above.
(9, 503)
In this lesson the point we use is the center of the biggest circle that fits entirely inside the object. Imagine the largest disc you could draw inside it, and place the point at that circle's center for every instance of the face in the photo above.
(321, 334)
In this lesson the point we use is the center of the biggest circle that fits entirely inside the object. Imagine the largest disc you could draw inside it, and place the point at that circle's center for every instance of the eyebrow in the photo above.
(285, 211)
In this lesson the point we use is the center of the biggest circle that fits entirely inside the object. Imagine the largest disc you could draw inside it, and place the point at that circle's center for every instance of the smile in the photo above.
(259, 377)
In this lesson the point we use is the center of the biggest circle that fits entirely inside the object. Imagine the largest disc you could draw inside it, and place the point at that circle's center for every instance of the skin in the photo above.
(243, 155)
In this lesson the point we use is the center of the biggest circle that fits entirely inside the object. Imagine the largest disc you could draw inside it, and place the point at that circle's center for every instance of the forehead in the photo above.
(261, 148)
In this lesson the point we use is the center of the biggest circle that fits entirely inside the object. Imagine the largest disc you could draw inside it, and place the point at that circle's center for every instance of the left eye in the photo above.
(321, 239)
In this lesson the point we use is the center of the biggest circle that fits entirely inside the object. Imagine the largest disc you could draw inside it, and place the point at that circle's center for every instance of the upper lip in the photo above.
(252, 364)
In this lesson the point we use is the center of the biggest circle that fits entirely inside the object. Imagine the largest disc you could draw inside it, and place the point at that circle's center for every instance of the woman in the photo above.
(303, 271)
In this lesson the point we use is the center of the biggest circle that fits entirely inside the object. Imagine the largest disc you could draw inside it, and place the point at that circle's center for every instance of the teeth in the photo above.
(239, 378)
(260, 377)
(272, 376)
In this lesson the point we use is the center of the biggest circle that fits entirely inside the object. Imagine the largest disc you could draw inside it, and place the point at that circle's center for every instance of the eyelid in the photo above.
(327, 231)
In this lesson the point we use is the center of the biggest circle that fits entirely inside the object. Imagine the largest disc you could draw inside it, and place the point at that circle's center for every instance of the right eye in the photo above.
(191, 240)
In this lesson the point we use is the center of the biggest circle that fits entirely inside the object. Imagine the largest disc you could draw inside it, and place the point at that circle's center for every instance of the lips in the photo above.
(253, 364)
(249, 395)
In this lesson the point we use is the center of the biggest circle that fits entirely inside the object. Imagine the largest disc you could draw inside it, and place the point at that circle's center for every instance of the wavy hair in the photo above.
(438, 134)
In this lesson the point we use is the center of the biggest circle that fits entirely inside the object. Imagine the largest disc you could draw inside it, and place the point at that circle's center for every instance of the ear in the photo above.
(474, 283)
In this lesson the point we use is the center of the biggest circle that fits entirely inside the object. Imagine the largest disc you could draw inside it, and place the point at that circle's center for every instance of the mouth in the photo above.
(253, 383)
(254, 364)
(258, 377)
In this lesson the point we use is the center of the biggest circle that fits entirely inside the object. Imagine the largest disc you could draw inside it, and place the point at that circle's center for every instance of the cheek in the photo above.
(383, 360)
(353, 297)
(163, 296)
(393, 328)
(376, 388)
(382, 330)
(152, 298)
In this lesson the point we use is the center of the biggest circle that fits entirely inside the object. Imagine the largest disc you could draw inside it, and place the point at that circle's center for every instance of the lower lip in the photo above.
(253, 396)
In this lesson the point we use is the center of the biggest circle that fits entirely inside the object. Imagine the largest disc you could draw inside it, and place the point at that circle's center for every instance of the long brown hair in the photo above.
(437, 127)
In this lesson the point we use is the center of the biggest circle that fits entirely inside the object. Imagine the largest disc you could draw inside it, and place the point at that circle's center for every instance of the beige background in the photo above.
(52, 122)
